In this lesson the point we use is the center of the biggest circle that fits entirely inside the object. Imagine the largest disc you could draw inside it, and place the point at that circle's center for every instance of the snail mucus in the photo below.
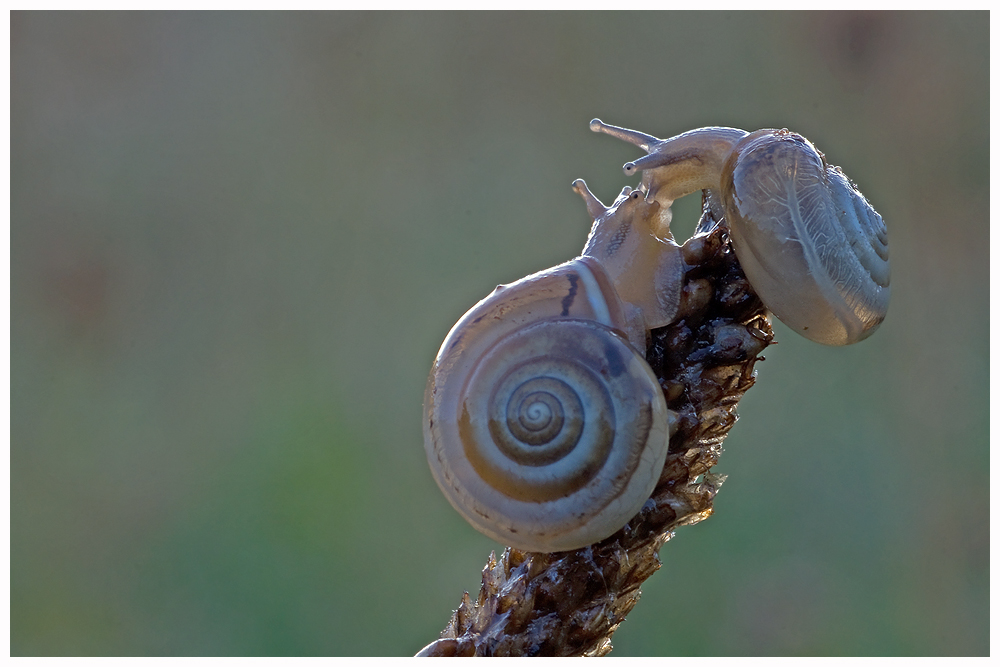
(543, 424)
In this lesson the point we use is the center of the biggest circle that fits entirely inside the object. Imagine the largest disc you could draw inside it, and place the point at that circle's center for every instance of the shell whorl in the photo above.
(547, 431)
(812, 246)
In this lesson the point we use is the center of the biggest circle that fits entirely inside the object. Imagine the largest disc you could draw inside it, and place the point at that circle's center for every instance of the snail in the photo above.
(544, 426)
(814, 249)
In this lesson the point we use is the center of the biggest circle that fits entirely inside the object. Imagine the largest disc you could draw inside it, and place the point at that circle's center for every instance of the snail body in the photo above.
(814, 249)
(544, 425)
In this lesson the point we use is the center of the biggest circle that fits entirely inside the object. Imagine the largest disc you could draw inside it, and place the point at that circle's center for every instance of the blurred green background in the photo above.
(237, 241)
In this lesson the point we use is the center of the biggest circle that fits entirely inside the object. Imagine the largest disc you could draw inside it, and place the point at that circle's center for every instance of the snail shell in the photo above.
(544, 425)
(814, 249)
(806, 238)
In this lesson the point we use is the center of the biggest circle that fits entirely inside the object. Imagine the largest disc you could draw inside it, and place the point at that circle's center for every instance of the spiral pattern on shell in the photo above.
(812, 246)
(549, 435)
(552, 420)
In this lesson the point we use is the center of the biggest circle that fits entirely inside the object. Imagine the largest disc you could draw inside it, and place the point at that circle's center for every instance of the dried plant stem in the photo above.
(570, 603)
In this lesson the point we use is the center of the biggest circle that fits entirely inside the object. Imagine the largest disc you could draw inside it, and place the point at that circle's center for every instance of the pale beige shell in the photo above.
(545, 428)
(811, 245)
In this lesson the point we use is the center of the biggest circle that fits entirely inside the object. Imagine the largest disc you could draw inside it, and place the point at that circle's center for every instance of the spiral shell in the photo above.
(812, 246)
(544, 426)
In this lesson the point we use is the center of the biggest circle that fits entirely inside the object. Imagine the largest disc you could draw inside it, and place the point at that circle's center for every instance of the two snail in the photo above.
(543, 424)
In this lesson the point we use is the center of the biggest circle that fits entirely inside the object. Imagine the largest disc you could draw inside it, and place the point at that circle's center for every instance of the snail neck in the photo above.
(686, 163)
(642, 262)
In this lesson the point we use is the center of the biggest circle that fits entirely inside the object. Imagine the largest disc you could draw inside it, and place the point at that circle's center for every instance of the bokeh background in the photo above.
(237, 241)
